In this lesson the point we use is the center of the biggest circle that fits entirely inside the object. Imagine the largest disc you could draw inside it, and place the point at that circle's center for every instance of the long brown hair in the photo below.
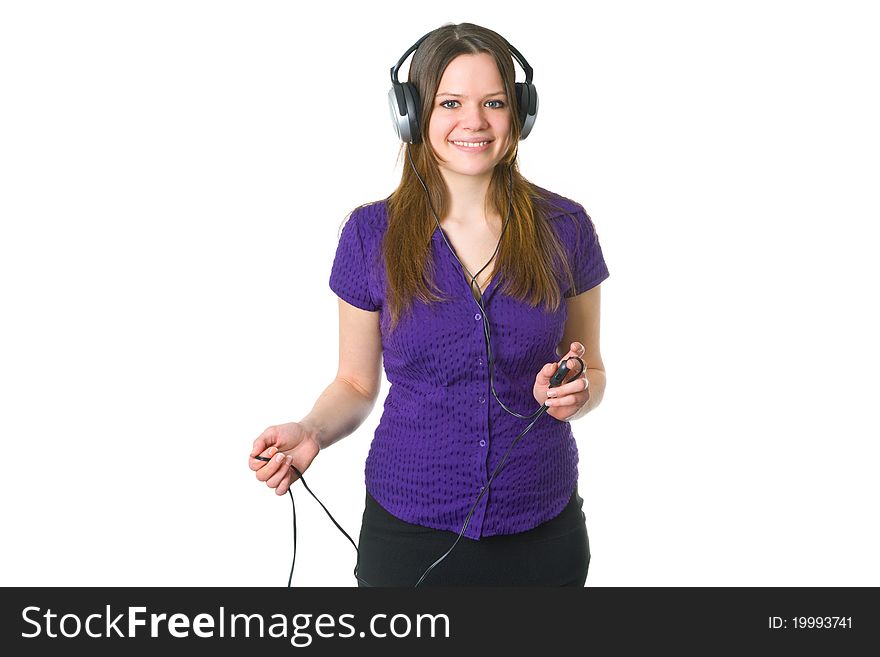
(524, 262)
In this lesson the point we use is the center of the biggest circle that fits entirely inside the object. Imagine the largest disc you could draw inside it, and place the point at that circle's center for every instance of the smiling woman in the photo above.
(463, 283)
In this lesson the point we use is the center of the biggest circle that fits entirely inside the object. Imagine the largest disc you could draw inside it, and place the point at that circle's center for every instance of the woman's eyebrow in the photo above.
(446, 93)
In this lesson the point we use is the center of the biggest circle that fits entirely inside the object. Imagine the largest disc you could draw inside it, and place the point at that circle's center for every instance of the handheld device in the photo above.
(559, 376)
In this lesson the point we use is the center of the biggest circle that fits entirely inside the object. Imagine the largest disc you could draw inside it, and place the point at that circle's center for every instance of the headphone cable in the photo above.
(486, 334)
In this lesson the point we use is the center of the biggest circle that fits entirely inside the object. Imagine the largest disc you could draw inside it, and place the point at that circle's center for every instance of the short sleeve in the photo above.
(588, 265)
(349, 277)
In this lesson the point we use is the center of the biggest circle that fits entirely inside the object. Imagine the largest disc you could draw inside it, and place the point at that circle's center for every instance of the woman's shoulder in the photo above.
(370, 216)
(552, 205)
(365, 224)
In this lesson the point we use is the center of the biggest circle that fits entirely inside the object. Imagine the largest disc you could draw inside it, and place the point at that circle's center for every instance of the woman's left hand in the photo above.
(565, 400)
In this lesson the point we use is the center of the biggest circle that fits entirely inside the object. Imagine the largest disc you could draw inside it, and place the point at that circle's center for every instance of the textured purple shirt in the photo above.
(442, 433)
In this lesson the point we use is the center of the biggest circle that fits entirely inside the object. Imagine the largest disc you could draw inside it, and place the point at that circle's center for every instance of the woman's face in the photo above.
(470, 106)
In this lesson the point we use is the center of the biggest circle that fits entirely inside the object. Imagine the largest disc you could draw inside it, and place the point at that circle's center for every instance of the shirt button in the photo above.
(478, 316)
(482, 400)
(482, 443)
(480, 361)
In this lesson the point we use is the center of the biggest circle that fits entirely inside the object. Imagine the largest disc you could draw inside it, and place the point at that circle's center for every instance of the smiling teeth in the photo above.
(470, 145)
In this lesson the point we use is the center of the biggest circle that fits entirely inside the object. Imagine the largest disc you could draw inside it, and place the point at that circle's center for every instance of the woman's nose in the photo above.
(474, 116)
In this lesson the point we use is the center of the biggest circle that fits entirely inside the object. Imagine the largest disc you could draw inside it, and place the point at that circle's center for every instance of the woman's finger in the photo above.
(572, 387)
(574, 399)
(264, 445)
(270, 468)
(282, 472)
(567, 400)
(577, 349)
(286, 481)
(255, 463)
(265, 440)
(543, 378)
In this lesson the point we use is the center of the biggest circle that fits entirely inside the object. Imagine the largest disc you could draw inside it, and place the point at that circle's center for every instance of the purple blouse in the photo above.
(442, 433)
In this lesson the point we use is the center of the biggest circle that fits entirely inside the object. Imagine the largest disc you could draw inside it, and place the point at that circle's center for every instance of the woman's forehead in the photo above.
(470, 70)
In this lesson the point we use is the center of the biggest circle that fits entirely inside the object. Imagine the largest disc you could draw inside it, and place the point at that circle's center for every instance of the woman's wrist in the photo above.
(312, 431)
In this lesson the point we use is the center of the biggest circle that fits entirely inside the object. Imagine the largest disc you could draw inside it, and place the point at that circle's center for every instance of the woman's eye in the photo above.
(500, 103)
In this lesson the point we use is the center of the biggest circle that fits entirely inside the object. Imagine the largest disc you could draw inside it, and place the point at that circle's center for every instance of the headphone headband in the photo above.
(516, 54)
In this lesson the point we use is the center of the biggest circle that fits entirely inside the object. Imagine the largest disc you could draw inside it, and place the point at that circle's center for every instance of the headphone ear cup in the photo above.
(397, 106)
(403, 101)
(527, 102)
(413, 106)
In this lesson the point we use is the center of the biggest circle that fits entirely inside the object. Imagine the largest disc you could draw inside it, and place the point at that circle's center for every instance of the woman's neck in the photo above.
(467, 200)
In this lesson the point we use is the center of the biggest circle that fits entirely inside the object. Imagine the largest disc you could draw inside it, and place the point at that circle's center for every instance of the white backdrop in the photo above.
(173, 177)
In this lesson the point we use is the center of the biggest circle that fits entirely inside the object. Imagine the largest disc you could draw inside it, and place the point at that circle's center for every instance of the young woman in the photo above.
(462, 455)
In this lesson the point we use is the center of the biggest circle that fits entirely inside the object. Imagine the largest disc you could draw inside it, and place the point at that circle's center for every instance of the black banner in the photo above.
(325, 620)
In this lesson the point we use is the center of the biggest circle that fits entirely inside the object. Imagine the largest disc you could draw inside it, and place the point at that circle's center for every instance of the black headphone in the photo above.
(404, 102)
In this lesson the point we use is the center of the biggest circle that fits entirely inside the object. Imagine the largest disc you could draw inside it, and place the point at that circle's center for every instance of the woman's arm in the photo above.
(349, 399)
(582, 325)
(339, 411)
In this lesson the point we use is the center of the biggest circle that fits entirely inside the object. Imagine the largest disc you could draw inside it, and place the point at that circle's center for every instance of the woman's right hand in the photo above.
(285, 444)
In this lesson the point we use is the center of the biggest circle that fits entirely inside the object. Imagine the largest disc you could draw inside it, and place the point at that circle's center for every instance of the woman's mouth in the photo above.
(471, 147)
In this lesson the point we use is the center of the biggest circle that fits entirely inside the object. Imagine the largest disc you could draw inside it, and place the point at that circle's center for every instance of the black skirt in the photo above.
(392, 552)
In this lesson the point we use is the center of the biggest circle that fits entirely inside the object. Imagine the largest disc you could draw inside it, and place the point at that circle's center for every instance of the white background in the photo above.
(173, 177)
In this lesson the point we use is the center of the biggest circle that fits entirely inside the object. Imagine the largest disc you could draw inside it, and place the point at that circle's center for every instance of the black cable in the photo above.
(482, 492)
(338, 526)
(290, 578)
(329, 515)
(464, 527)
(491, 363)
(484, 316)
